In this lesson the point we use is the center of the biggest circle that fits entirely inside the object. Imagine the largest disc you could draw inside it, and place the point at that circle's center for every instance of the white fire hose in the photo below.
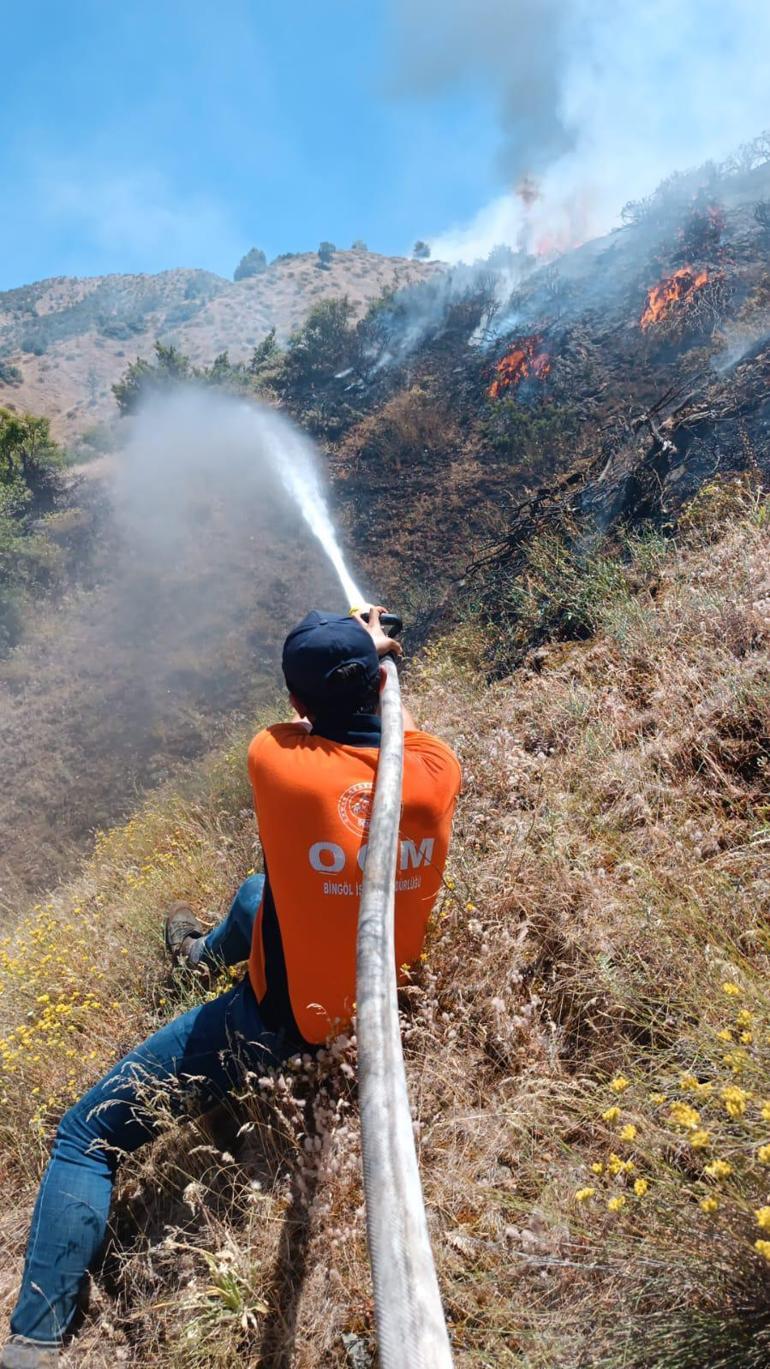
(411, 1331)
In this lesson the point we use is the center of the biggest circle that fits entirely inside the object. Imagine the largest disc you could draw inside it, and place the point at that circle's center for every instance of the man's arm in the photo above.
(386, 645)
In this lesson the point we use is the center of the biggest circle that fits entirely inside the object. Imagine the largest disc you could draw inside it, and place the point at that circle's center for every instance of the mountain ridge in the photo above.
(64, 341)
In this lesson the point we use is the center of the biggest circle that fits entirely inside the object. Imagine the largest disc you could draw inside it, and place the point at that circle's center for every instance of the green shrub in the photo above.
(565, 591)
(252, 264)
(322, 346)
(9, 374)
(29, 458)
(537, 437)
(113, 326)
(34, 343)
(142, 377)
(30, 462)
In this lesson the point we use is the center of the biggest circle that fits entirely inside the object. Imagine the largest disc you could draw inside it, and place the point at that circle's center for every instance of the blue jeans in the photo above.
(215, 1043)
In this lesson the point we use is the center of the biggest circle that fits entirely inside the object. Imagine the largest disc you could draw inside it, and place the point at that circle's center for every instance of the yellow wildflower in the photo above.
(747, 1038)
(628, 1132)
(736, 1060)
(615, 1204)
(725, 1034)
(744, 1018)
(583, 1194)
(598, 1168)
(763, 1247)
(763, 1155)
(611, 1115)
(617, 1166)
(718, 1169)
(640, 1187)
(709, 1204)
(699, 1140)
(735, 1100)
(732, 990)
(762, 1215)
(619, 1084)
(682, 1115)
(765, 1110)
(690, 1084)
(658, 1099)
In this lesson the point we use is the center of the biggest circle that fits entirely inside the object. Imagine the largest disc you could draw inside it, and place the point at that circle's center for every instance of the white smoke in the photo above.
(598, 100)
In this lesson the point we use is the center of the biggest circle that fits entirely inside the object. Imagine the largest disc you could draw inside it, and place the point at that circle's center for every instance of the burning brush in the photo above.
(670, 294)
(528, 361)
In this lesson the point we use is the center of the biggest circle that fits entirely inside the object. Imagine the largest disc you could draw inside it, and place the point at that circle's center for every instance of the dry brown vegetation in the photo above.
(409, 427)
(592, 1019)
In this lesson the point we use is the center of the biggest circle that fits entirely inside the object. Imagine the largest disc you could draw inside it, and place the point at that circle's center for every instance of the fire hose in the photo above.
(411, 1331)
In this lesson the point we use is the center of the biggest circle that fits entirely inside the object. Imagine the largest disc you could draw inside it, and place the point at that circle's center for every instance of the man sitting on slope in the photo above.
(296, 925)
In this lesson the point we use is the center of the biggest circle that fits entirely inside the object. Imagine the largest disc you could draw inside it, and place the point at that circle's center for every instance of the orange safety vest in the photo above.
(312, 798)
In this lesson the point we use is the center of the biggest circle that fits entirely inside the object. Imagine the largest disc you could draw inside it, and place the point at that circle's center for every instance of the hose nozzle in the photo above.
(390, 622)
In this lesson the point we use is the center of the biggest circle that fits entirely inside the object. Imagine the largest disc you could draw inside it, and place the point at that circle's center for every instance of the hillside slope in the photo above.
(479, 414)
(587, 1038)
(587, 1045)
(64, 342)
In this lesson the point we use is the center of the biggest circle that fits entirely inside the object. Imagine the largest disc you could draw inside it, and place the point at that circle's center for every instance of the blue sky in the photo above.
(149, 134)
(137, 135)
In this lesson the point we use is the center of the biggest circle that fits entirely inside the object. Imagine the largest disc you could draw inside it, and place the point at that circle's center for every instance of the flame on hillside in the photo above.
(669, 293)
(528, 361)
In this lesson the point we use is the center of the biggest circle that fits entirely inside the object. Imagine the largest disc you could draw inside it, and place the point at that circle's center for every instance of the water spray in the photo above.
(294, 461)
(411, 1330)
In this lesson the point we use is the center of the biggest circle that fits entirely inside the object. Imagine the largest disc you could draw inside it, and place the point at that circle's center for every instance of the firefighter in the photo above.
(295, 926)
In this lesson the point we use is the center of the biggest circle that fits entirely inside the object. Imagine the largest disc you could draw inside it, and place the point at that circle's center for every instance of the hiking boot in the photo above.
(182, 929)
(20, 1353)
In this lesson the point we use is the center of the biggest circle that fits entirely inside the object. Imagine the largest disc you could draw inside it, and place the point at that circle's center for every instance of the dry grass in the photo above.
(409, 427)
(610, 876)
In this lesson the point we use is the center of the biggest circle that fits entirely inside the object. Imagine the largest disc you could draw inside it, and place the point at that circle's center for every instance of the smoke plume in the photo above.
(598, 100)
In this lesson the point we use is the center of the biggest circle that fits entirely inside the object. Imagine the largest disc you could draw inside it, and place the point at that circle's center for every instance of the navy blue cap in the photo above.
(318, 645)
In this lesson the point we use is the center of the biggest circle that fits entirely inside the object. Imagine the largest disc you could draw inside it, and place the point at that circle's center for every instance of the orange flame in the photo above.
(661, 298)
(528, 360)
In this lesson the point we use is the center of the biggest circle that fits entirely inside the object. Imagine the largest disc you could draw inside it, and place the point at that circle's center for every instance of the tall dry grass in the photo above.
(587, 1040)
